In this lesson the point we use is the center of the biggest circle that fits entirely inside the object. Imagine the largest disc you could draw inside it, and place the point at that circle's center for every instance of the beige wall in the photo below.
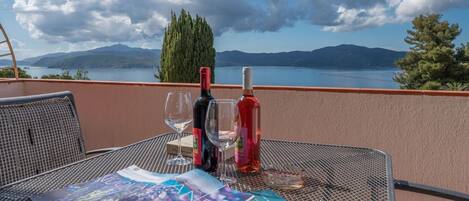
(9, 88)
(427, 134)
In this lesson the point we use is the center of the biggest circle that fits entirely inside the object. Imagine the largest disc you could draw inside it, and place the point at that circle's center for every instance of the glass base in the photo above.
(179, 160)
(228, 180)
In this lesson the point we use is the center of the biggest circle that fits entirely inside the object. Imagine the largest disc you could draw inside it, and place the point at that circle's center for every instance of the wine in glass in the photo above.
(178, 116)
(222, 128)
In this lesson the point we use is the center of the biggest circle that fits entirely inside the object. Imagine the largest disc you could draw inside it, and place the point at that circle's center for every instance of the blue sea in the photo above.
(263, 75)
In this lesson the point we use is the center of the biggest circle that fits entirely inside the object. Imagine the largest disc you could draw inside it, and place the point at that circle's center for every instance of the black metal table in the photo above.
(330, 172)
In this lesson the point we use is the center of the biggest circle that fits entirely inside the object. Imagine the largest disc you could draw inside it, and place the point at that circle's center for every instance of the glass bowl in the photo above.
(283, 178)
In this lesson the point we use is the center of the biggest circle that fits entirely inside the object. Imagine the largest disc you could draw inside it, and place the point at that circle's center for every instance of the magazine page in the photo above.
(199, 185)
(134, 183)
(130, 183)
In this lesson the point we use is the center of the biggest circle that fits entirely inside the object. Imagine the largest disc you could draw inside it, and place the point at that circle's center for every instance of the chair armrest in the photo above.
(429, 190)
(101, 151)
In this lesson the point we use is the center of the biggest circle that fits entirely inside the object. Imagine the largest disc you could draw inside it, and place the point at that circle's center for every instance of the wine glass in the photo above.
(222, 125)
(178, 116)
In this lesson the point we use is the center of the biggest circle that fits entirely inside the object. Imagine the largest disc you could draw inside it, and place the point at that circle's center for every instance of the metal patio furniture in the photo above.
(38, 133)
(330, 172)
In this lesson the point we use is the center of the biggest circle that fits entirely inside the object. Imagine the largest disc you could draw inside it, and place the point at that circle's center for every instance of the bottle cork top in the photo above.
(247, 78)
(204, 70)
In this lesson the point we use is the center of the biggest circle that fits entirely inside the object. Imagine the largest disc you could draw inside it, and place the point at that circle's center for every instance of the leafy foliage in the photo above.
(8, 72)
(456, 86)
(433, 61)
(431, 85)
(79, 75)
(462, 55)
(187, 45)
(64, 76)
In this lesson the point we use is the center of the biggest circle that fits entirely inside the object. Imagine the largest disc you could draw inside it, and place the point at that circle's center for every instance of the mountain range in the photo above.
(122, 56)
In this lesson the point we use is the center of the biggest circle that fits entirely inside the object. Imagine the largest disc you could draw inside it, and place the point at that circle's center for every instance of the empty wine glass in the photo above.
(222, 128)
(178, 116)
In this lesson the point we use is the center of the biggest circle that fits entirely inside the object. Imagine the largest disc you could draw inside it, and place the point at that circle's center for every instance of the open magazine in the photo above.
(133, 183)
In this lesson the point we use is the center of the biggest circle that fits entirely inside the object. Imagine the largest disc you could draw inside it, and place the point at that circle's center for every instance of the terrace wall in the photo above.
(9, 88)
(427, 133)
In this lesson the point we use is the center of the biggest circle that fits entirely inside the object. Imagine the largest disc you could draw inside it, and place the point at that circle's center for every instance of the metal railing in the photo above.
(10, 48)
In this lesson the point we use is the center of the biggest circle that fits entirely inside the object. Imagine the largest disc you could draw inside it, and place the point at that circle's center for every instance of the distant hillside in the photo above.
(121, 56)
(118, 56)
(32, 60)
(342, 56)
(7, 62)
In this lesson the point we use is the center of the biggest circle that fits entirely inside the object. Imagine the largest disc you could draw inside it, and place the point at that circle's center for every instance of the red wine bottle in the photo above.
(204, 152)
(247, 152)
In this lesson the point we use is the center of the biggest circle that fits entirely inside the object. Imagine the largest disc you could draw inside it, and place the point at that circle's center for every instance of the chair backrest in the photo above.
(38, 133)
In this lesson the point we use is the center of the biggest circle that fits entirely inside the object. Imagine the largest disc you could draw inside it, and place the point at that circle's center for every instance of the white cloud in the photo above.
(407, 9)
(17, 43)
(353, 19)
(145, 20)
(340, 15)
(91, 20)
(127, 20)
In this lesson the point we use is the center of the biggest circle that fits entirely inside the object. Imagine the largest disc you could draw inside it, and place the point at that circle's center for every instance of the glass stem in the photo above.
(223, 168)
(179, 145)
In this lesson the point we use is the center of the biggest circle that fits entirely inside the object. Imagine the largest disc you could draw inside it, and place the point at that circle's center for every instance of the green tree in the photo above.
(187, 45)
(462, 55)
(431, 85)
(456, 86)
(432, 60)
(8, 72)
(65, 75)
(81, 75)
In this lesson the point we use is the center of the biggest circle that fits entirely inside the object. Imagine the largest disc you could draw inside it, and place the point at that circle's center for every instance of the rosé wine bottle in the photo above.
(247, 153)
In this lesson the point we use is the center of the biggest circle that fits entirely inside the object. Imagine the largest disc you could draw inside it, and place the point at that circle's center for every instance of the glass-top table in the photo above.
(330, 172)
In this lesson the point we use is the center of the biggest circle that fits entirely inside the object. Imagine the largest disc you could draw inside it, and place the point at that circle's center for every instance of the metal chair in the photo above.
(39, 133)
(429, 190)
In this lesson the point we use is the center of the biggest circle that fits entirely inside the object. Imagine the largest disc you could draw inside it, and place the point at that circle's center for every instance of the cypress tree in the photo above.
(187, 45)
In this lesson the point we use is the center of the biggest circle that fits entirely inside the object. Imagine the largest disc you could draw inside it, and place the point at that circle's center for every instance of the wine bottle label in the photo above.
(197, 145)
(242, 147)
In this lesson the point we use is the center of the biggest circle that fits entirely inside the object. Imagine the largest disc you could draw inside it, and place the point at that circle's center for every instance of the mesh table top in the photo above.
(330, 172)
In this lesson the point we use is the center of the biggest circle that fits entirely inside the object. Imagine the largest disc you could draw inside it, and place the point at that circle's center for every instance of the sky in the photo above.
(37, 27)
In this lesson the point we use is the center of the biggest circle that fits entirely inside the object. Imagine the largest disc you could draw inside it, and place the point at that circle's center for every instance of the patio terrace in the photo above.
(425, 132)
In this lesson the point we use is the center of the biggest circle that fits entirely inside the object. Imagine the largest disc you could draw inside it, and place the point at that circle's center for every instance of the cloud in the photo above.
(76, 21)
(351, 15)
(17, 43)
(408, 9)
(127, 20)
(349, 19)
(145, 20)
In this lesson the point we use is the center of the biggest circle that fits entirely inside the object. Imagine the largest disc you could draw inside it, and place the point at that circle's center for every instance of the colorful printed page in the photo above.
(133, 183)
(266, 195)
(199, 185)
